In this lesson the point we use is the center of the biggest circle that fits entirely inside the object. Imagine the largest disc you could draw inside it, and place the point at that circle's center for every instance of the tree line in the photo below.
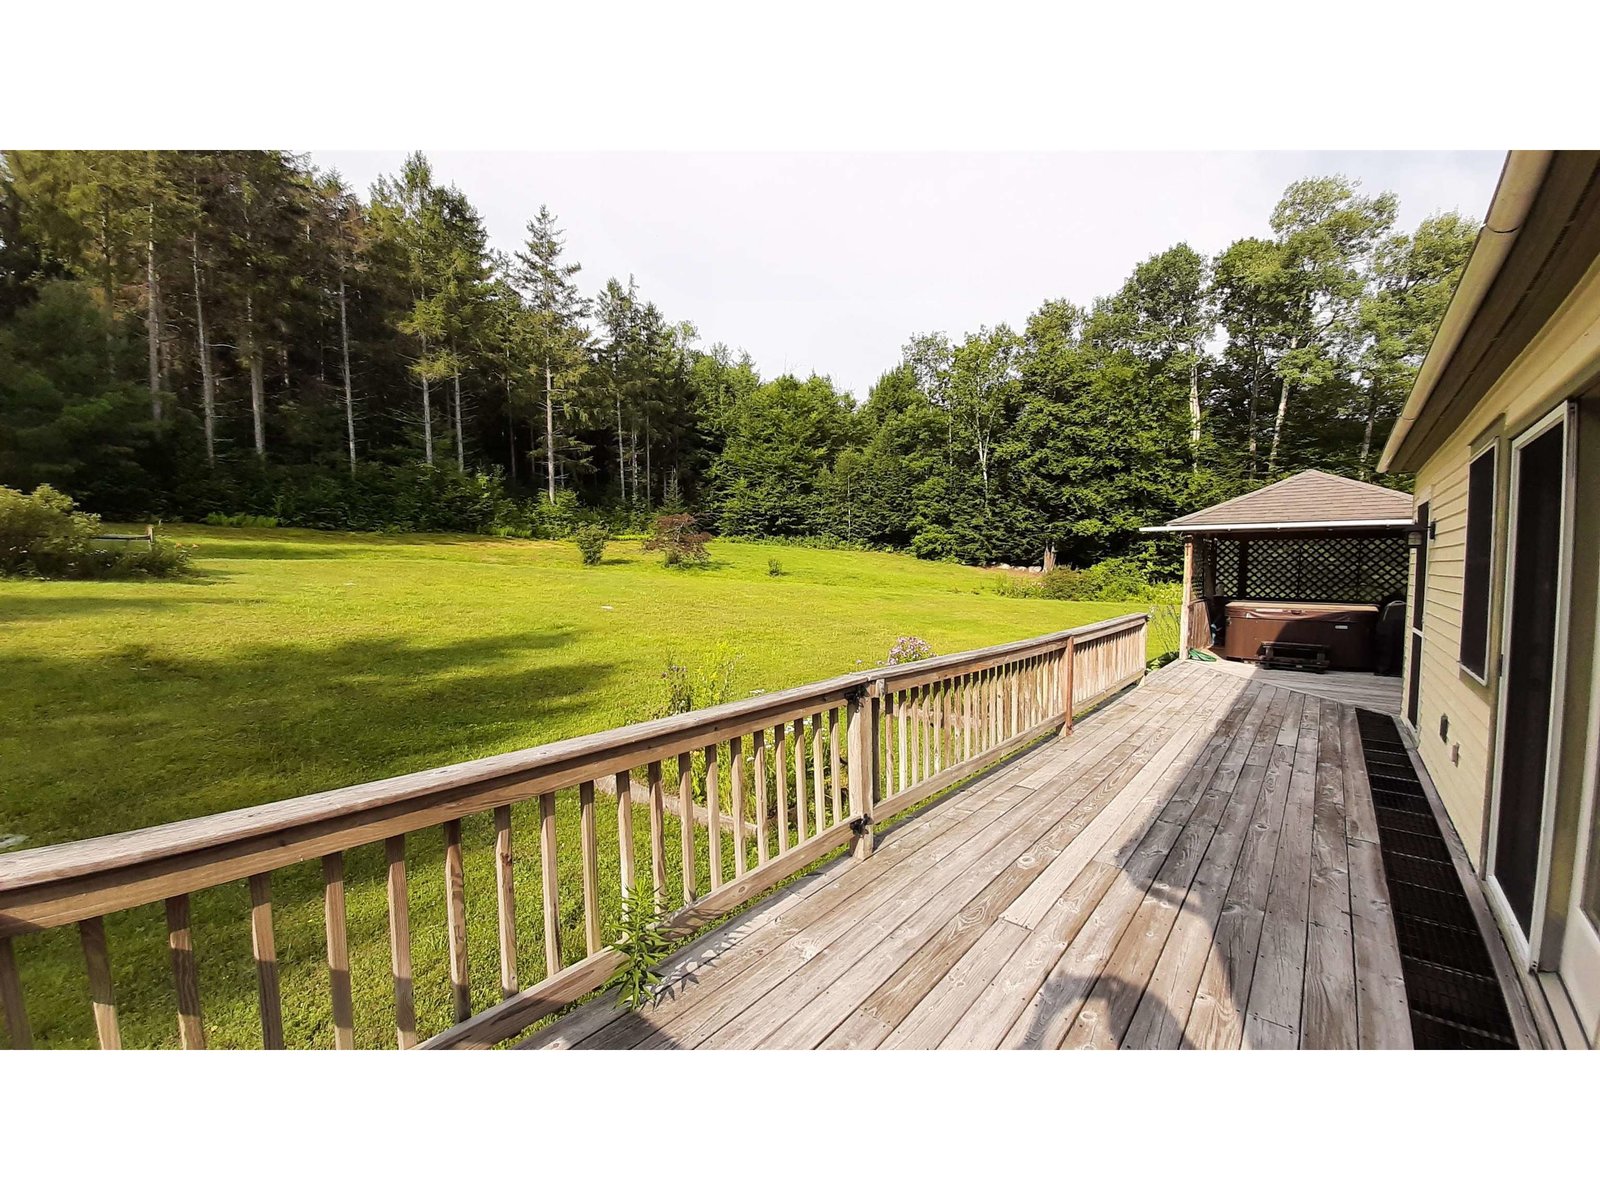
(236, 331)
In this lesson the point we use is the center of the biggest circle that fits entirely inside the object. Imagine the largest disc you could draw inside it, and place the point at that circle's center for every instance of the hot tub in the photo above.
(1344, 629)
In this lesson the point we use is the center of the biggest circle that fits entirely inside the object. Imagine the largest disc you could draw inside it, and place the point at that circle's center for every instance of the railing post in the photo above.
(863, 710)
(1068, 653)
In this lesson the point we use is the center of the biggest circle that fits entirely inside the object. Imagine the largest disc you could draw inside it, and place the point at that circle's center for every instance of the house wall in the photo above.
(1555, 366)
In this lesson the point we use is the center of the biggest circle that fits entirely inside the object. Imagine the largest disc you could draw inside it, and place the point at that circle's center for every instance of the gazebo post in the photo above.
(1183, 607)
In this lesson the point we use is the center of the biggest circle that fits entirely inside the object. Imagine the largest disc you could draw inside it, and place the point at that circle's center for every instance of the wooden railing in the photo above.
(717, 805)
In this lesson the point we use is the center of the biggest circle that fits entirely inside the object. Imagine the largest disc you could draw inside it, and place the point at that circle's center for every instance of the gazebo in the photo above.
(1297, 572)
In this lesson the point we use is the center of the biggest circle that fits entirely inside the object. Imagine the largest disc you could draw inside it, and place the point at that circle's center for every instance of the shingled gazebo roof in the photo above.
(1311, 500)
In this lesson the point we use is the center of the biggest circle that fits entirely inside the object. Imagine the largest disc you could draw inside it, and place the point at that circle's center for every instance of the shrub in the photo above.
(1115, 579)
(774, 567)
(591, 539)
(680, 540)
(685, 687)
(43, 535)
(241, 521)
(908, 649)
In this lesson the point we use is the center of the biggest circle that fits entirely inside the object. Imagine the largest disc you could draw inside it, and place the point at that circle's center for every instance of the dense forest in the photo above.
(234, 332)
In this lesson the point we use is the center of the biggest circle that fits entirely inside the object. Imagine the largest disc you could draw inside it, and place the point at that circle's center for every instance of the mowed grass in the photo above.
(296, 661)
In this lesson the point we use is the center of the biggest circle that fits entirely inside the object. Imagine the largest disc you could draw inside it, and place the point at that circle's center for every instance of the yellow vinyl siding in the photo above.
(1564, 355)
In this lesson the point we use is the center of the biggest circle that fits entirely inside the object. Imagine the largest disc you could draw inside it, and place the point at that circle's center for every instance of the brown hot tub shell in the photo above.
(1345, 629)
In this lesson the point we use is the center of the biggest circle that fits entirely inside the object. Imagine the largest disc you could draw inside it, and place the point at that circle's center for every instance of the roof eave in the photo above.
(1519, 183)
(1268, 527)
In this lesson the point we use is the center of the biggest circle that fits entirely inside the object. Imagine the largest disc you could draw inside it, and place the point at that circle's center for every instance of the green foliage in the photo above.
(241, 521)
(591, 539)
(680, 539)
(644, 944)
(774, 567)
(1114, 580)
(373, 366)
(44, 536)
(688, 686)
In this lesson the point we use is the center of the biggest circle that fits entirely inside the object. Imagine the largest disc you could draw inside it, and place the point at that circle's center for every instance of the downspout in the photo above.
(1519, 183)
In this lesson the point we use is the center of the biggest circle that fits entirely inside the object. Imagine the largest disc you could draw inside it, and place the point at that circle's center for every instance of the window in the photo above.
(1480, 554)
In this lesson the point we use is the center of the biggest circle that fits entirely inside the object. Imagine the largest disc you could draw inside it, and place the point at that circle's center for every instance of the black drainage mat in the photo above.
(1451, 989)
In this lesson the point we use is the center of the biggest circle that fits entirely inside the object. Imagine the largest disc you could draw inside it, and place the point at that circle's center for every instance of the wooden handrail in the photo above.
(909, 731)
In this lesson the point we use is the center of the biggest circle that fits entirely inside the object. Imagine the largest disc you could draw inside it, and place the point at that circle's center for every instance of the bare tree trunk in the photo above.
(1255, 404)
(1283, 412)
(427, 414)
(427, 424)
(258, 382)
(1366, 434)
(349, 399)
(1277, 427)
(1194, 411)
(549, 430)
(152, 321)
(208, 383)
(511, 426)
(622, 461)
(461, 447)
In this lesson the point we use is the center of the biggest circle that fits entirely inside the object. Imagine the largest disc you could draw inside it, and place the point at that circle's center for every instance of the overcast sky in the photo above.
(829, 262)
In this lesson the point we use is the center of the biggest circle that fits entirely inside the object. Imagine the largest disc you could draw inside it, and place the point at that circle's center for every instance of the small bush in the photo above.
(686, 687)
(1114, 580)
(44, 536)
(774, 567)
(591, 539)
(680, 539)
(908, 649)
(241, 521)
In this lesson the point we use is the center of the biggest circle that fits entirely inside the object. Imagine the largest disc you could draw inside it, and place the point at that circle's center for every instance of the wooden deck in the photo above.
(1381, 693)
(1195, 866)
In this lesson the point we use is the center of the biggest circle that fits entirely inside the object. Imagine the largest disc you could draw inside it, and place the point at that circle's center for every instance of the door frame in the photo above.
(1528, 947)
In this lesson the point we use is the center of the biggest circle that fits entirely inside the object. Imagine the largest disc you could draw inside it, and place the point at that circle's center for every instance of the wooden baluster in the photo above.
(505, 888)
(800, 818)
(92, 933)
(780, 777)
(686, 825)
(18, 1032)
(836, 792)
(658, 835)
(591, 868)
(185, 976)
(736, 778)
(1069, 656)
(819, 774)
(759, 739)
(714, 813)
(902, 757)
(891, 768)
(916, 722)
(549, 866)
(264, 946)
(336, 930)
(455, 916)
(861, 729)
(966, 716)
(405, 1008)
(1015, 695)
(624, 782)
(936, 729)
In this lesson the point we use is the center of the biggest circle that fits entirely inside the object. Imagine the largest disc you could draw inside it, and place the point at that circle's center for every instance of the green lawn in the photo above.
(297, 661)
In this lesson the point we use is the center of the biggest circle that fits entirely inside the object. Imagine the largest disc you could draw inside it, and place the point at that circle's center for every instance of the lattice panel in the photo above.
(1336, 570)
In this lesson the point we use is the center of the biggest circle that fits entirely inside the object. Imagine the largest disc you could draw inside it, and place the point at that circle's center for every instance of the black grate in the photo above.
(1340, 570)
(1451, 989)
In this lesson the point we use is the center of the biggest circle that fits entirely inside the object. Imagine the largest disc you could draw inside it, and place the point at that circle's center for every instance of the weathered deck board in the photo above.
(1190, 867)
